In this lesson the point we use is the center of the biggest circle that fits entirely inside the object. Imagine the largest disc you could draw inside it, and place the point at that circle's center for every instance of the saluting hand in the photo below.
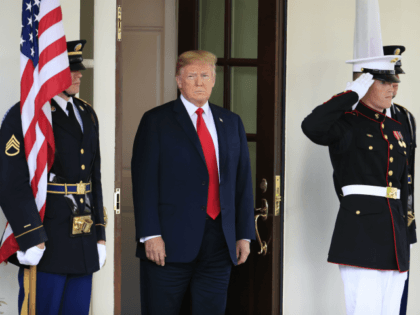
(155, 250)
(361, 85)
(242, 251)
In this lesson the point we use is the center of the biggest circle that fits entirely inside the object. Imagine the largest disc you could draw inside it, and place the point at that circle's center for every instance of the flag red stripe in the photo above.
(26, 82)
(41, 162)
(10, 246)
(51, 18)
(52, 51)
(59, 82)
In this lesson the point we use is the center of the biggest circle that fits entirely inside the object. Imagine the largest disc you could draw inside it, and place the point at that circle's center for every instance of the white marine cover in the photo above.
(368, 50)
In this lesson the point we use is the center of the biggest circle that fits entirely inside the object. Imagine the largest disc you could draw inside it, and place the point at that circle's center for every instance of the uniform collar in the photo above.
(62, 102)
(372, 114)
(191, 108)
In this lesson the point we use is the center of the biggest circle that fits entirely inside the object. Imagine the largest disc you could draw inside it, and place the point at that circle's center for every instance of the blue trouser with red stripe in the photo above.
(59, 294)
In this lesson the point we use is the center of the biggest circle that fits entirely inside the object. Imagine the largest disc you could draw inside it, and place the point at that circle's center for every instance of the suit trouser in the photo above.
(59, 294)
(372, 292)
(163, 288)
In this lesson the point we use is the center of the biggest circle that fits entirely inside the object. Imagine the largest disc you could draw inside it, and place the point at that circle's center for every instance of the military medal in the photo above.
(402, 139)
(398, 137)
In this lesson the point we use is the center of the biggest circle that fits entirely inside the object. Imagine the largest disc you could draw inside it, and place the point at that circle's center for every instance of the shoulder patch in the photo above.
(12, 146)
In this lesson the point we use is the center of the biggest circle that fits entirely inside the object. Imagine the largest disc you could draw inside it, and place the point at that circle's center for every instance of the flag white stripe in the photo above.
(47, 6)
(51, 35)
(28, 110)
(53, 67)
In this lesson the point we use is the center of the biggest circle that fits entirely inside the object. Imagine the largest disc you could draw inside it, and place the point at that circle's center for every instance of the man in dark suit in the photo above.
(69, 245)
(192, 192)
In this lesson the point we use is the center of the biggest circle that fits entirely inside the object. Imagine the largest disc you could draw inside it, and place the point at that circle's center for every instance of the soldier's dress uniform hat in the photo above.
(75, 52)
(368, 54)
(395, 50)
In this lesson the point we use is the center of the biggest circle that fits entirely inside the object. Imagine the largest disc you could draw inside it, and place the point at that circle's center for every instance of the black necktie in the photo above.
(72, 116)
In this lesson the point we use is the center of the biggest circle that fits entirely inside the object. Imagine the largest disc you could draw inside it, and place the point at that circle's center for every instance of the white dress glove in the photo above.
(361, 85)
(32, 256)
(102, 255)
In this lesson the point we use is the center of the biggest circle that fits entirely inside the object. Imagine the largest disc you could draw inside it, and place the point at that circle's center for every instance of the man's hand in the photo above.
(41, 246)
(242, 251)
(361, 85)
(155, 250)
(32, 256)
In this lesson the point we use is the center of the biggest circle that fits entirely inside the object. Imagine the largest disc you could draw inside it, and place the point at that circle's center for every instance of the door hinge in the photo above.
(119, 24)
(117, 201)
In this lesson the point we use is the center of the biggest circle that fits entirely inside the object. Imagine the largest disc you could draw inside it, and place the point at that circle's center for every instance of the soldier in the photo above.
(404, 116)
(368, 150)
(69, 245)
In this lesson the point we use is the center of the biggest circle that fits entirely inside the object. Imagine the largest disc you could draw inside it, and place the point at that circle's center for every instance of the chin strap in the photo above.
(68, 95)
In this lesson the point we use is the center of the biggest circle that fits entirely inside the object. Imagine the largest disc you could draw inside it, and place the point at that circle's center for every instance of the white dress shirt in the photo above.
(63, 104)
(208, 119)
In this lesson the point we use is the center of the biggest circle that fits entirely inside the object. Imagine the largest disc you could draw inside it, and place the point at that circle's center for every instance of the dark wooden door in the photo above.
(248, 37)
(118, 160)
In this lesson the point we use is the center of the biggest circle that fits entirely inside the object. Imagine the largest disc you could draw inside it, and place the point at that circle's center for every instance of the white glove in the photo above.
(32, 256)
(361, 85)
(102, 255)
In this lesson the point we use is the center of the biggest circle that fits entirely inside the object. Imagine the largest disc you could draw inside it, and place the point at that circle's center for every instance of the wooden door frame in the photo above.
(271, 64)
(118, 165)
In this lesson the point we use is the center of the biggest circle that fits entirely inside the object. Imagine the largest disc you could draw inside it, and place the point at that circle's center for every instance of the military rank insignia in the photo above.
(12, 146)
(398, 135)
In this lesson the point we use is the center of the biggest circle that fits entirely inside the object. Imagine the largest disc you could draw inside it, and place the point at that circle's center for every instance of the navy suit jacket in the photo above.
(170, 181)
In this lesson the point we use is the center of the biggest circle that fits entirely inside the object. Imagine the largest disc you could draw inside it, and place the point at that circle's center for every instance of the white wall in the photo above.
(104, 96)
(10, 23)
(319, 40)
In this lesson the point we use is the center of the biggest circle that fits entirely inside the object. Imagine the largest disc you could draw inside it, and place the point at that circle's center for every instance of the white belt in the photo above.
(387, 192)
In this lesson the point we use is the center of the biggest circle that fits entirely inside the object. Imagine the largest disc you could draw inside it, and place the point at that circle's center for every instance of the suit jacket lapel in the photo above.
(184, 120)
(61, 119)
(221, 136)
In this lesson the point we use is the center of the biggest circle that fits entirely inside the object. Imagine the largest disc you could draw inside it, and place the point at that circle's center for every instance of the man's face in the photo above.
(379, 95)
(395, 87)
(196, 82)
(75, 83)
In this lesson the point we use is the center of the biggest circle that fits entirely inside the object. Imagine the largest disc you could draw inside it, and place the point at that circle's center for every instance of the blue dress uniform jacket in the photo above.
(77, 160)
(170, 181)
(409, 124)
(370, 231)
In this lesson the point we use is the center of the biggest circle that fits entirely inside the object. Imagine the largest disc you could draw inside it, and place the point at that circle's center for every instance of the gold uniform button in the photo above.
(405, 152)
(391, 159)
(81, 200)
(83, 167)
(370, 148)
(390, 173)
(82, 151)
(386, 137)
(383, 126)
(391, 146)
(357, 212)
(390, 184)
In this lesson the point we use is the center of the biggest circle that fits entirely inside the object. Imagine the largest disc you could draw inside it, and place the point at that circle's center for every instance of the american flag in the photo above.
(45, 73)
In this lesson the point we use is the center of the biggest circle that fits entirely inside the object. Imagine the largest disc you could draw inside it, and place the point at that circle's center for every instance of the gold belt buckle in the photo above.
(81, 188)
(82, 225)
(391, 192)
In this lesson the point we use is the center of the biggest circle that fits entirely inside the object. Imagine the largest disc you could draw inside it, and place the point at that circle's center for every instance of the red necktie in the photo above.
(213, 201)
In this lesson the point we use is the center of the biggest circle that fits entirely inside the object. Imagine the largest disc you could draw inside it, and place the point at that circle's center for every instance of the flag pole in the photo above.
(32, 291)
